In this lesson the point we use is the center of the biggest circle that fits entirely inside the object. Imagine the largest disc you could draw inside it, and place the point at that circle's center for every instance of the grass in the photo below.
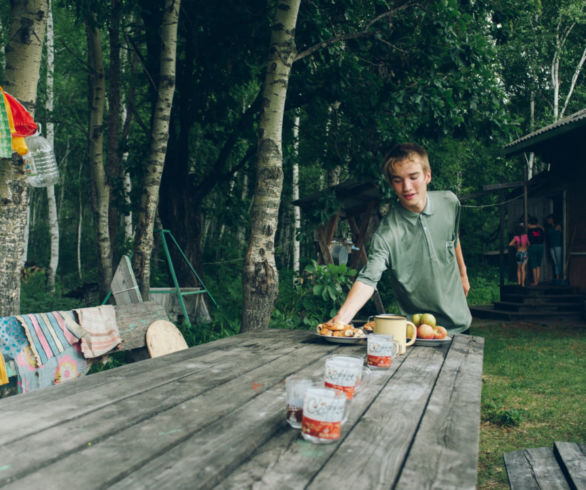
(533, 390)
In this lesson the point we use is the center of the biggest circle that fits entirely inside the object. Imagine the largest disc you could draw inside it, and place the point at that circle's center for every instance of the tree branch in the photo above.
(353, 35)
(573, 84)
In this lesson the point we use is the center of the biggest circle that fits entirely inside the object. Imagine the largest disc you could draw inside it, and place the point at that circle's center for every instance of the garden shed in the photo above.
(361, 205)
(559, 190)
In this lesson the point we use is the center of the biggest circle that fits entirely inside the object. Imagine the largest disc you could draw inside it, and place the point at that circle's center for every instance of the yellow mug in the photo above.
(395, 325)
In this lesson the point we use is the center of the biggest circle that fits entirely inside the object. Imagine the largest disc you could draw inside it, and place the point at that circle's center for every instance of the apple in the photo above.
(428, 319)
(440, 333)
(425, 331)
(416, 319)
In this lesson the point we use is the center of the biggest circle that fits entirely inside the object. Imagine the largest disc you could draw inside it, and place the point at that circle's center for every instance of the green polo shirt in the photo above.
(419, 251)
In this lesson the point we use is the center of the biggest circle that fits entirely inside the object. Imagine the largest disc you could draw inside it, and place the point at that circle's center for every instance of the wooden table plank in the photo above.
(534, 469)
(373, 453)
(70, 435)
(451, 423)
(213, 416)
(289, 461)
(83, 395)
(572, 460)
(135, 445)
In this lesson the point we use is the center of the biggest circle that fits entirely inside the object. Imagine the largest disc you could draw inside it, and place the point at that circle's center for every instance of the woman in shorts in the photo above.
(521, 243)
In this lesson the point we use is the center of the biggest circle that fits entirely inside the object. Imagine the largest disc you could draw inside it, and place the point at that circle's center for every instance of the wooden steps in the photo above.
(547, 301)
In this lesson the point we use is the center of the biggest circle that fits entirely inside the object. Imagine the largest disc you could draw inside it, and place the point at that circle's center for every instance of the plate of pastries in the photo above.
(340, 333)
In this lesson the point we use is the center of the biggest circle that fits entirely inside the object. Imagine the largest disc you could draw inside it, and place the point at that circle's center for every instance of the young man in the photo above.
(418, 242)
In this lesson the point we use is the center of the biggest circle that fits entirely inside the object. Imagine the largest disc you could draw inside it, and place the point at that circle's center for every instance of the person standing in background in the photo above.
(536, 234)
(521, 244)
(553, 234)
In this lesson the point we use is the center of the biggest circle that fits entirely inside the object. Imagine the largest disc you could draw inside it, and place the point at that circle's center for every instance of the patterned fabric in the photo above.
(47, 334)
(68, 365)
(12, 337)
(5, 133)
(73, 327)
(101, 328)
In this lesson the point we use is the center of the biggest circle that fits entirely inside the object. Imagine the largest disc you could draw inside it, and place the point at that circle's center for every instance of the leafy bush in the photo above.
(484, 285)
(512, 417)
(314, 298)
(36, 298)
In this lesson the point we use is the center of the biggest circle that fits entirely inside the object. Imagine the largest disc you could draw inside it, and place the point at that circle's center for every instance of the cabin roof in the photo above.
(557, 138)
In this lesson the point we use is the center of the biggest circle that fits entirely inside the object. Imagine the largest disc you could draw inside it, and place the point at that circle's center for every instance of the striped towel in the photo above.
(47, 334)
(5, 133)
(99, 324)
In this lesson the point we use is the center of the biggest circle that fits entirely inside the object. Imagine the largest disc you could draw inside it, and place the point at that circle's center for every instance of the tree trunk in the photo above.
(101, 189)
(23, 61)
(296, 209)
(51, 200)
(260, 278)
(113, 170)
(159, 137)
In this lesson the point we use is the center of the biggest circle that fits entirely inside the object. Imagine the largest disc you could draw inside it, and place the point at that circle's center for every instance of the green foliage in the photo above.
(512, 417)
(484, 284)
(36, 298)
(315, 298)
(221, 326)
(533, 390)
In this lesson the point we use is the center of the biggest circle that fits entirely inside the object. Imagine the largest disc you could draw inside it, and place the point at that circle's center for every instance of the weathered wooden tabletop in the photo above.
(214, 416)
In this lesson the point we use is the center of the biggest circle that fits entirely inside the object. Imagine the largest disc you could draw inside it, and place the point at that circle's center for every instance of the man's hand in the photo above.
(462, 268)
(357, 297)
(465, 284)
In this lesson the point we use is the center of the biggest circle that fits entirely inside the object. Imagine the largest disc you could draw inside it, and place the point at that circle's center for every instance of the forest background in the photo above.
(208, 119)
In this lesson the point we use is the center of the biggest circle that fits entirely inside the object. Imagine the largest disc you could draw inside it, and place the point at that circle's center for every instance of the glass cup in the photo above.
(346, 373)
(325, 410)
(296, 387)
(380, 351)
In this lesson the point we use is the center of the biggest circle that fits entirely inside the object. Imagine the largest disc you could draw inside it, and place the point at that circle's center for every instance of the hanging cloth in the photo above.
(21, 123)
(5, 132)
(24, 124)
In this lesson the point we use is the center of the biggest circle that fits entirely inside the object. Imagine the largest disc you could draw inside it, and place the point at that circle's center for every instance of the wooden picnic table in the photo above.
(214, 416)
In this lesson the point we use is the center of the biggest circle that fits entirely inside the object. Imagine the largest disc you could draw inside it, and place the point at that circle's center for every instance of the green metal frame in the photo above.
(177, 288)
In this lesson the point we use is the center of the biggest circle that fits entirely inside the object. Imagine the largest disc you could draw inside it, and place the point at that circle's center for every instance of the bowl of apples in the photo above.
(429, 333)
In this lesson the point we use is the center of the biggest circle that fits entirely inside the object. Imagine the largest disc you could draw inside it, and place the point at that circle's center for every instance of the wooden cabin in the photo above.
(560, 190)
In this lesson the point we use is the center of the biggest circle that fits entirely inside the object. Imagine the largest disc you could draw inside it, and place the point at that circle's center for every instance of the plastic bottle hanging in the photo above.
(45, 172)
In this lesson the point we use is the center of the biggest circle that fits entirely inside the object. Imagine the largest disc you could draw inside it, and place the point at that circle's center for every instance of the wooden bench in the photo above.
(560, 467)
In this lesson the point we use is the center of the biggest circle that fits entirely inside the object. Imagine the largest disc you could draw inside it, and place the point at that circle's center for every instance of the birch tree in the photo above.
(51, 200)
(23, 61)
(159, 136)
(100, 186)
(296, 209)
(260, 278)
(569, 18)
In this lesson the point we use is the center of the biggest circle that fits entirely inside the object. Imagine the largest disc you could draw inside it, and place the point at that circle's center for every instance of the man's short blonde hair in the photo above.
(405, 152)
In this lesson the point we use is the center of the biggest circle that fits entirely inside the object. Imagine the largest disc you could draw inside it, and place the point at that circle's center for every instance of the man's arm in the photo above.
(356, 299)
(462, 267)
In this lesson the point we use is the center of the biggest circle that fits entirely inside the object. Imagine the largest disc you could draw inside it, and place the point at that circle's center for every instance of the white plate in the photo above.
(341, 340)
(433, 342)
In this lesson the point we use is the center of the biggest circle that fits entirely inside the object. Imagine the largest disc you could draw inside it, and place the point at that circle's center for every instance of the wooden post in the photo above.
(525, 198)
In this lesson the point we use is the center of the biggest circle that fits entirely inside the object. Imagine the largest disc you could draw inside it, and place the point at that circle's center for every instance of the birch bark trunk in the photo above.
(23, 61)
(260, 278)
(296, 209)
(159, 136)
(51, 200)
(101, 189)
